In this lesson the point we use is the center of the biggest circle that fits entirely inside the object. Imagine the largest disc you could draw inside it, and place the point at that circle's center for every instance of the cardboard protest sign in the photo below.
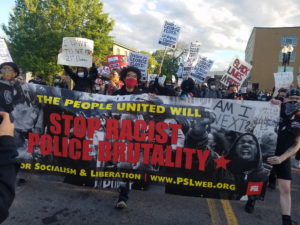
(283, 80)
(194, 49)
(139, 61)
(76, 52)
(169, 34)
(102, 140)
(236, 74)
(117, 62)
(201, 69)
(4, 53)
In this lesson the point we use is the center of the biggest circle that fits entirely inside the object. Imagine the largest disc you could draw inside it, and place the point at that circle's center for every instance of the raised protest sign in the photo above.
(192, 145)
(194, 49)
(139, 61)
(169, 34)
(236, 74)
(117, 62)
(202, 68)
(103, 71)
(76, 52)
(151, 77)
(283, 80)
(4, 53)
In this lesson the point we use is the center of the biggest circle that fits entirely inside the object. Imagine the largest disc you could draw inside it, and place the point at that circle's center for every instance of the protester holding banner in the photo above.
(212, 90)
(130, 76)
(114, 84)
(288, 143)
(8, 165)
(232, 92)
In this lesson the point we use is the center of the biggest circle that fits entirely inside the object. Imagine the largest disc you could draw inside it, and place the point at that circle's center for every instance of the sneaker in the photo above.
(121, 205)
(249, 207)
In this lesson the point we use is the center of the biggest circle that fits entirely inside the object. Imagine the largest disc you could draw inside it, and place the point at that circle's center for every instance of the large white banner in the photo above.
(139, 61)
(76, 52)
(169, 34)
(202, 68)
(237, 72)
(4, 53)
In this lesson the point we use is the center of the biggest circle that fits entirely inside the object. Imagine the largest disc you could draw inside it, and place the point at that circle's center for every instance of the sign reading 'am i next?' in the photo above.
(169, 34)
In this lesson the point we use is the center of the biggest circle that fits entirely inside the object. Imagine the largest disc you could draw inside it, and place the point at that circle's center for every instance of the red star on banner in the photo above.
(221, 162)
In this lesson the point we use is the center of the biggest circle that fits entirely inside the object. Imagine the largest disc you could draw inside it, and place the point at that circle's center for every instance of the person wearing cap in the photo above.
(288, 144)
(9, 71)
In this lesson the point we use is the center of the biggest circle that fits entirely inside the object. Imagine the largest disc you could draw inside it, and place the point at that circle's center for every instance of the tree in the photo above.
(172, 58)
(153, 65)
(36, 28)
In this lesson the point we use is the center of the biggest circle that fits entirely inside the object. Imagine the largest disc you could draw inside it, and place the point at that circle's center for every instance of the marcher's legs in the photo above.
(285, 196)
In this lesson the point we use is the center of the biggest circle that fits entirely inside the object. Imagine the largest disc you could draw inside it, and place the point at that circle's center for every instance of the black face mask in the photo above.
(280, 98)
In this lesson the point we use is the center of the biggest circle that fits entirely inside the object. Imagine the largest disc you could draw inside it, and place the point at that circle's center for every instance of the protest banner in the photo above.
(201, 69)
(236, 74)
(169, 34)
(117, 62)
(4, 53)
(282, 80)
(76, 52)
(191, 145)
(139, 61)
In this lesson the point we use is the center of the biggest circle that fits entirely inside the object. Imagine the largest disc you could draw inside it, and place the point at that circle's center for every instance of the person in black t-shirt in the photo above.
(288, 143)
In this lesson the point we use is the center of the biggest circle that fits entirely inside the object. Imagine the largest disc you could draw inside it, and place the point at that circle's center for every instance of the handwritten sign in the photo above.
(4, 53)
(76, 52)
(139, 61)
(169, 34)
(202, 68)
(237, 72)
(282, 80)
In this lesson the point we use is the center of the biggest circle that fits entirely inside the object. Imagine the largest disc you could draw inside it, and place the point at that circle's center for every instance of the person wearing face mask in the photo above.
(212, 91)
(114, 84)
(8, 86)
(232, 92)
(83, 78)
(38, 80)
(130, 76)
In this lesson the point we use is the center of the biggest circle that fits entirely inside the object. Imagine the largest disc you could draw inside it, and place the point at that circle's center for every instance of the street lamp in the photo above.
(286, 55)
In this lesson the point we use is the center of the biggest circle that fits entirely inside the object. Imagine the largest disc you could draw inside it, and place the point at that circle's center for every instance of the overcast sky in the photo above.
(223, 27)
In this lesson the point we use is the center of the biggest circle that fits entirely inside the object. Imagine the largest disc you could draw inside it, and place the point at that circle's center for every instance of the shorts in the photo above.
(284, 170)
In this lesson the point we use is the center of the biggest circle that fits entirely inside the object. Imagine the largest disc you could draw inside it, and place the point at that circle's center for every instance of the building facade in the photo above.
(120, 49)
(263, 52)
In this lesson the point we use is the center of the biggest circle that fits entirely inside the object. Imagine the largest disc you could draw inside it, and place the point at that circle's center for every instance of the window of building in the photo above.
(288, 69)
(292, 57)
(289, 40)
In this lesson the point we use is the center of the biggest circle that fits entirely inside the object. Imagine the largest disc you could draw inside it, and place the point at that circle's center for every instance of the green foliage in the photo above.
(36, 29)
(153, 65)
(172, 58)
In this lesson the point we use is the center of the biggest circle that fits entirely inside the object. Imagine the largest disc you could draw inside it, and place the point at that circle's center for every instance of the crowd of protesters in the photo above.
(128, 81)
